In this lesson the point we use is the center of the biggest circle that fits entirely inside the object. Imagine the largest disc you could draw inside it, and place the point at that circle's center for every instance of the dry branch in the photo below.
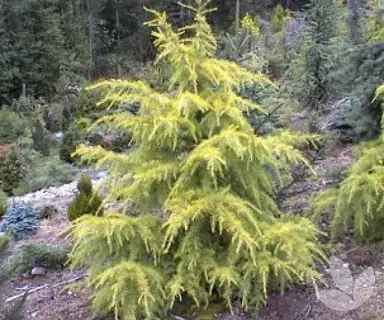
(27, 292)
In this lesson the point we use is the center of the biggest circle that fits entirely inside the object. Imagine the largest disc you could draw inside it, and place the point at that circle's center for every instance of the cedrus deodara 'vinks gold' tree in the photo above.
(204, 184)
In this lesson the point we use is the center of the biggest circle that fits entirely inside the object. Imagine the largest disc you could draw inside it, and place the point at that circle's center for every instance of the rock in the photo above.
(343, 256)
(100, 175)
(59, 137)
(38, 271)
(50, 194)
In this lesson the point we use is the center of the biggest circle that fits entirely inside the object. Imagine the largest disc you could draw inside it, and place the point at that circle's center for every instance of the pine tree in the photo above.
(40, 137)
(358, 201)
(33, 52)
(86, 201)
(361, 68)
(309, 72)
(204, 185)
(356, 22)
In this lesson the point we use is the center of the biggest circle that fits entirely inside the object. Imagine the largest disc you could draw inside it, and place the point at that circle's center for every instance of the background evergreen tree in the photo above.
(204, 185)
(321, 19)
(356, 22)
(40, 137)
(34, 51)
(307, 79)
(361, 68)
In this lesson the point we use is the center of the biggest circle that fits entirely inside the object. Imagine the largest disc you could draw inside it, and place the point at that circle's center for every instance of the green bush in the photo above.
(40, 136)
(20, 220)
(12, 169)
(12, 127)
(85, 185)
(75, 135)
(86, 201)
(45, 172)
(4, 242)
(3, 203)
(68, 146)
(33, 255)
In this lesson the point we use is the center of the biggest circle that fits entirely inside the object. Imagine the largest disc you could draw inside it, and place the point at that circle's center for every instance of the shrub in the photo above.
(3, 204)
(4, 242)
(86, 201)
(40, 136)
(72, 138)
(33, 255)
(196, 157)
(20, 220)
(12, 127)
(12, 169)
(85, 185)
(45, 172)
(87, 103)
(68, 146)
(359, 200)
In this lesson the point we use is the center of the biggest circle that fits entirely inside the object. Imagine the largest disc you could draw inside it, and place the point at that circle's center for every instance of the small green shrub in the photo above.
(12, 126)
(33, 255)
(85, 185)
(67, 147)
(87, 103)
(72, 138)
(20, 220)
(4, 242)
(3, 204)
(45, 172)
(86, 201)
(12, 169)
(40, 136)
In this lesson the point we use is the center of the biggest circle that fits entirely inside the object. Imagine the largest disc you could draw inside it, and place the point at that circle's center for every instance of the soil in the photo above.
(57, 301)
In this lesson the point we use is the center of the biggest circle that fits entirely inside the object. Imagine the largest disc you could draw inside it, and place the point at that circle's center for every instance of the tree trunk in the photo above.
(237, 16)
(118, 66)
(90, 38)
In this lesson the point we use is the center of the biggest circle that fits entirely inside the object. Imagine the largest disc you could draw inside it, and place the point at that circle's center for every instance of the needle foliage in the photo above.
(358, 202)
(204, 184)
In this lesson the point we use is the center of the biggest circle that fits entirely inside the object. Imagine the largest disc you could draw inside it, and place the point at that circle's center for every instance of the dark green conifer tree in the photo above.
(321, 19)
(40, 137)
(356, 22)
(307, 79)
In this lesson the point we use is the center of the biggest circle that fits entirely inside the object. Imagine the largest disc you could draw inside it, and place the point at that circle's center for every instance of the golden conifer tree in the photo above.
(204, 184)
